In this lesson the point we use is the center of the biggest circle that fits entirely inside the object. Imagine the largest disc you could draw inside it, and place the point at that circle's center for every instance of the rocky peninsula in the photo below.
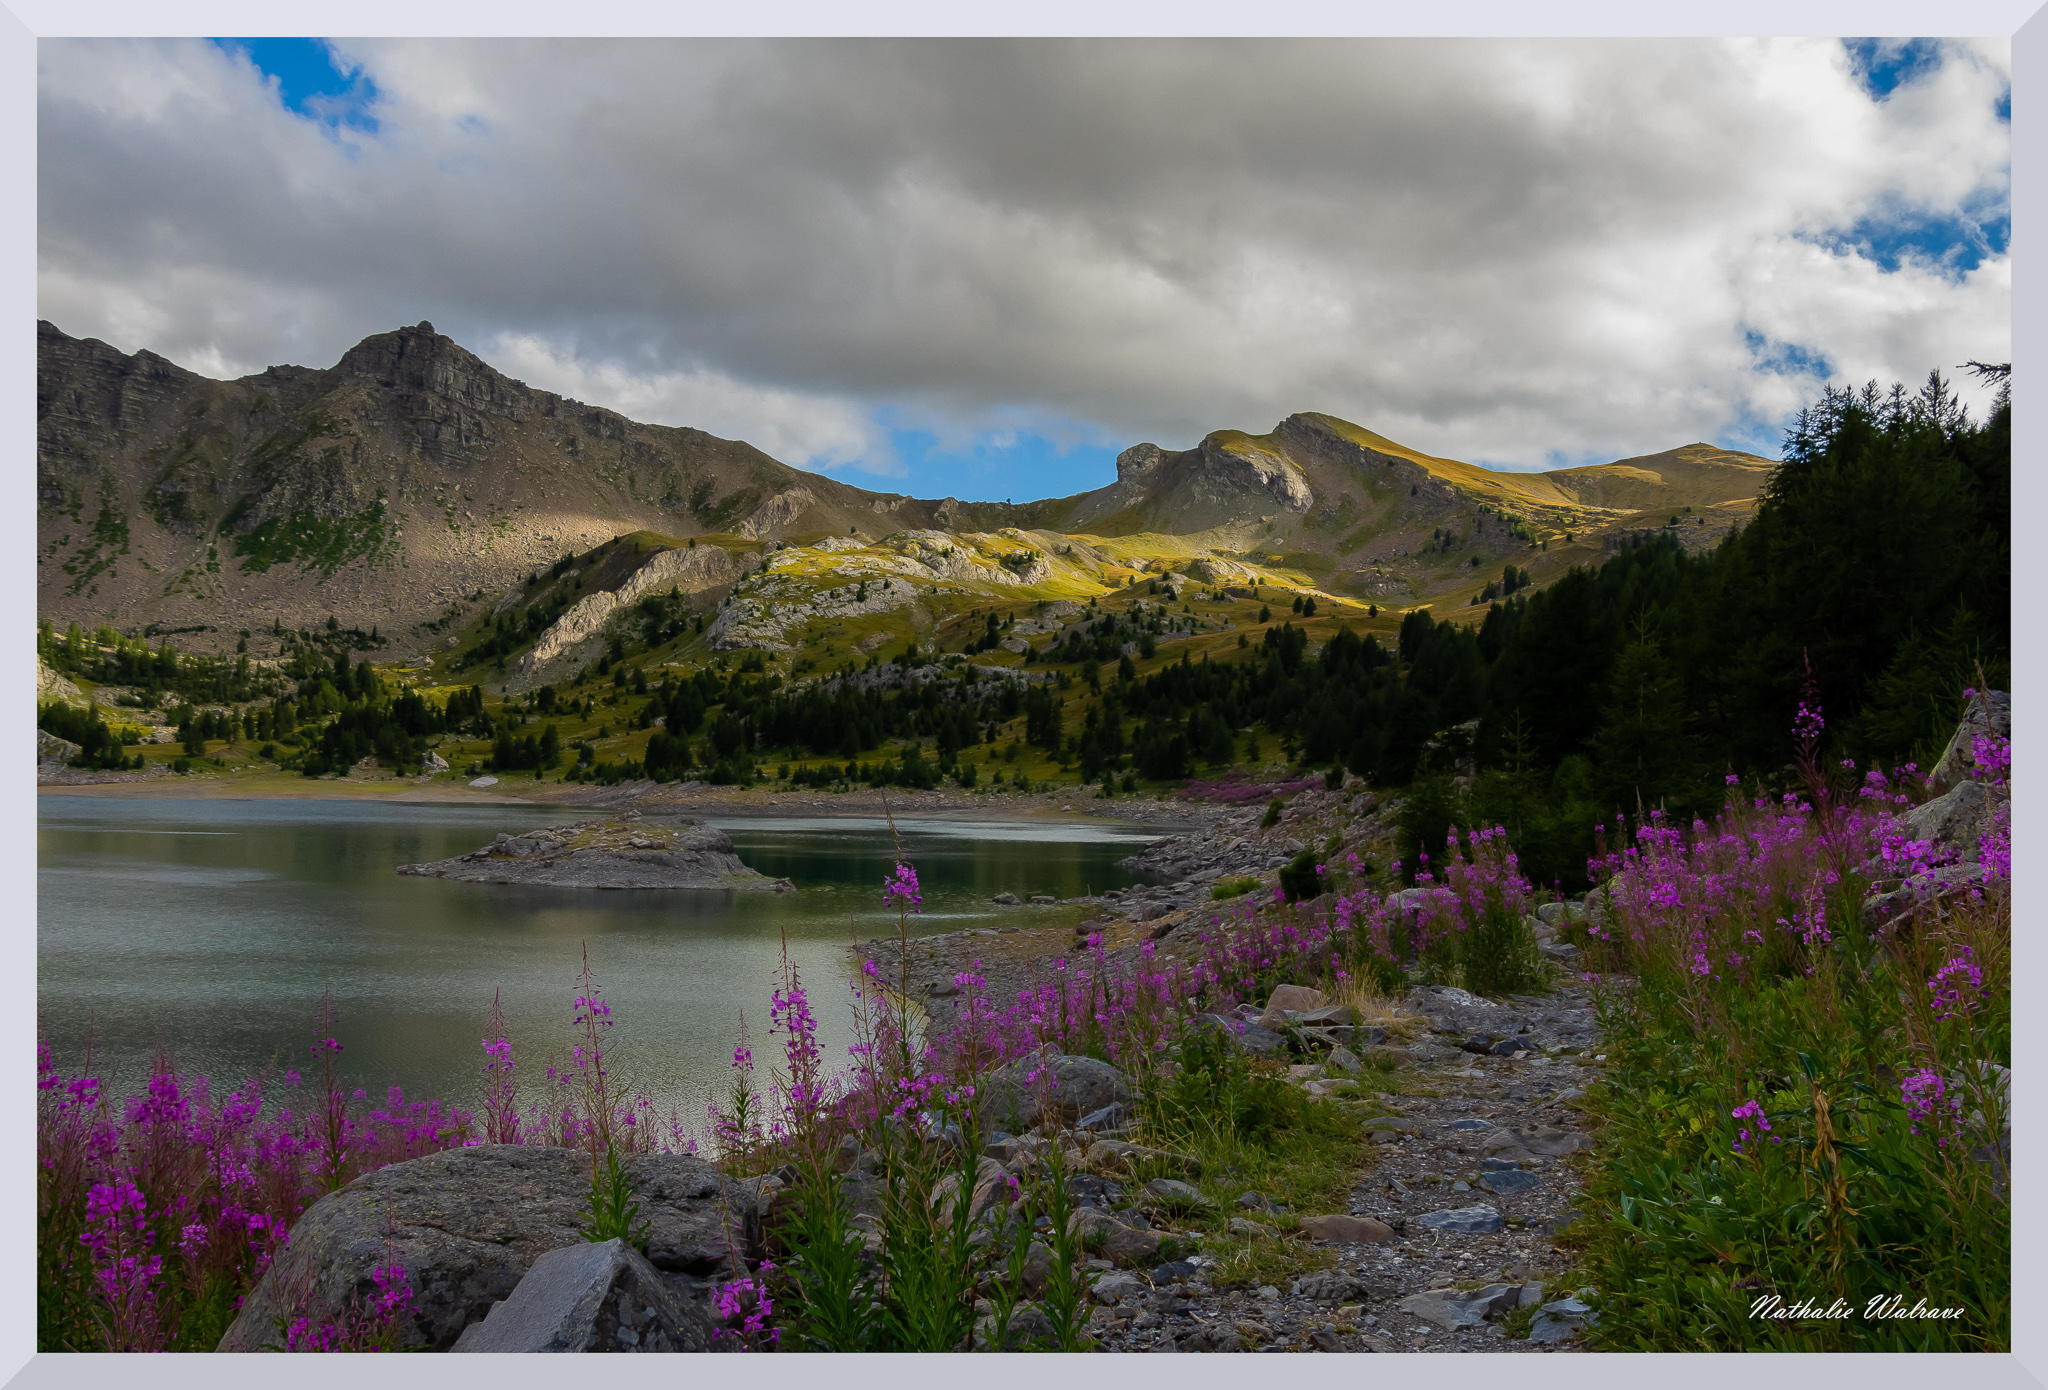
(626, 851)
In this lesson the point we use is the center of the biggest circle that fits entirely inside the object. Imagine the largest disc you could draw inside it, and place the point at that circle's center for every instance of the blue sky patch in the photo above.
(310, 81)
(1018, 467)
(1958, 241)
(1885, 65)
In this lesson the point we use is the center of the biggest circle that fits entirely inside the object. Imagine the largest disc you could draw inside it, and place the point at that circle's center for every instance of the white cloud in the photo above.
(1504, 251)
(811, 431)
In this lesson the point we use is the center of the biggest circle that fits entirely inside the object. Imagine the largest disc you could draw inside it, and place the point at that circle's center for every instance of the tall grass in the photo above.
(1798, 1107)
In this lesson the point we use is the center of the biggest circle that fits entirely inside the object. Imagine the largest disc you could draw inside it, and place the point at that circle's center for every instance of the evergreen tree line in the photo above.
(1878, 560)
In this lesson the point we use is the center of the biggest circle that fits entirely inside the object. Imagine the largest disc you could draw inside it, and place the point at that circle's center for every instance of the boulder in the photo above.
(467, 1224)
(1291, 999)
(993, 1185)
(1347, 1230)
(1988, 713)
(433, 762)
(1018, 1092)
(1122, 1245)
(591, 1297)
(1957, 817)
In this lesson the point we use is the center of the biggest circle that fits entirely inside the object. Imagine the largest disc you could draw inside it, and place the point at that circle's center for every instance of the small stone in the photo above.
(1510, 1180)
(1445, 1308)
(1345, 1060)
(1251, 1230)
(1176, 1196)
(1043, 900)
(1004, 900)
(1326, 1339)
(1257, 1201)
(1173, 1272)
(1107, 1118)
(1328, 1286)
(1471, 1221)
(1347, 1230)
(1471, 1126)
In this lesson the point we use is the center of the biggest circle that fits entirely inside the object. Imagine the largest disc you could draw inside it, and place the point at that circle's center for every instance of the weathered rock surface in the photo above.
(1078, 1086)
(467, 1225)
(628, 852)
(688, 570)
(1989, 713)
(1347, 1230)
(591, 1297)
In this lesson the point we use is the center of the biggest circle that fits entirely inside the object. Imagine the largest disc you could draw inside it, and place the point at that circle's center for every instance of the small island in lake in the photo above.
(628, 851)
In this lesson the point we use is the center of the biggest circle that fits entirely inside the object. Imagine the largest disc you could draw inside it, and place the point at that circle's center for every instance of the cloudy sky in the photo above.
(981, 268)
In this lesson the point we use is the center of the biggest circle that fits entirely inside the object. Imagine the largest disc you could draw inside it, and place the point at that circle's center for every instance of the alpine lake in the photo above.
(207, 931)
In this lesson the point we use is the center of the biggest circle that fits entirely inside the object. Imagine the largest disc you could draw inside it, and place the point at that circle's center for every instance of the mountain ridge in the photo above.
(412, 480)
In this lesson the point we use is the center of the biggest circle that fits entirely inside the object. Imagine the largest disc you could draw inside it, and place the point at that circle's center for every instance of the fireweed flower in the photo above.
(1956, 984)
(901, 888)
(1749, 1110)
(1923, 1092)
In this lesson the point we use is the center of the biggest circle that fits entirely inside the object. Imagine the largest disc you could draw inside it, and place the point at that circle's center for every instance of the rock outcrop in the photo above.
(590, 1298)
(687, 569)
(626, 852)
(1022, 1091)
(468, 1224)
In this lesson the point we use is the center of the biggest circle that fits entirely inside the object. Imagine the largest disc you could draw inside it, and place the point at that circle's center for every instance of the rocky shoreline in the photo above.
(627, 851)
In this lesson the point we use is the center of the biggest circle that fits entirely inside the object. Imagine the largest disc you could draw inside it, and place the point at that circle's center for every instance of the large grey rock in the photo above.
(467, 1224)
(993, 1185)
(1122, 1245)
(1957, 817)
(1292, 999)
(1989, 712)
(591, 1297)
(1470, 1221)
(1508, 1180)
(1078, 1086)
(51, 749)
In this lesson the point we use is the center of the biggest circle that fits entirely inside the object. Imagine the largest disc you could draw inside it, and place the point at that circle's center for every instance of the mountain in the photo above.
(412, 482)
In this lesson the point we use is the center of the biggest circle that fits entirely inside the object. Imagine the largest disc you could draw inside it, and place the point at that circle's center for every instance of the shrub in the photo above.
(1301, 877)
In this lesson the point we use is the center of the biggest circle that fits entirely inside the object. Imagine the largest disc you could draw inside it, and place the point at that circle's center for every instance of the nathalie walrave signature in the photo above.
(1878, 1309)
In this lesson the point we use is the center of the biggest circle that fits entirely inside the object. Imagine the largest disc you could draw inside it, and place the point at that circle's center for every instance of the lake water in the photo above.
(211, 927)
